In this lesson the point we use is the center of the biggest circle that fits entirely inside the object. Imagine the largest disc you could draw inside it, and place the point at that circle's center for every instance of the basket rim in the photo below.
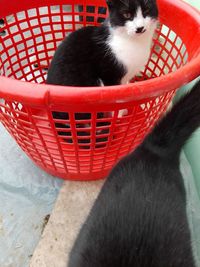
(51, 95)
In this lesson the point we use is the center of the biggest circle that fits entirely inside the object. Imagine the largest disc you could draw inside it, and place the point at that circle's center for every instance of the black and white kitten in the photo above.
(109, 54)
(139, 218)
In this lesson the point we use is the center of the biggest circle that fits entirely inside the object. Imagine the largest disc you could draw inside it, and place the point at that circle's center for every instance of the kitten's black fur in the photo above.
(83, 58)
(139, 218)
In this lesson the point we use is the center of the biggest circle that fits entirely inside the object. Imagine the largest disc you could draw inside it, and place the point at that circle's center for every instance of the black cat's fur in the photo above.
(139, 218)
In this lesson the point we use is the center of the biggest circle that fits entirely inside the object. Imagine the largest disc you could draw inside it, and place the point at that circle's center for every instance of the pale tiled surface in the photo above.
(27, 195)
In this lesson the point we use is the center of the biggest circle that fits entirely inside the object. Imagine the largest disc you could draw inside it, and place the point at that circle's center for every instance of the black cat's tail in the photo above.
(174, 129)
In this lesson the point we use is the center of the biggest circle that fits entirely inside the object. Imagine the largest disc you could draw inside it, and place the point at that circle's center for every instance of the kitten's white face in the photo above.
(139, 24)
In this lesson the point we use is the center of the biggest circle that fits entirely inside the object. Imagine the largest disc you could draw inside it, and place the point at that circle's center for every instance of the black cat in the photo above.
(139, 218)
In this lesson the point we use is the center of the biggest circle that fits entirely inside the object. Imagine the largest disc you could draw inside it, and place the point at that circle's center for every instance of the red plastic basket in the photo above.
(33, 30)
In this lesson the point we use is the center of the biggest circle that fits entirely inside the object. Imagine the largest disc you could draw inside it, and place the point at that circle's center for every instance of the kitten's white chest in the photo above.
(132, 52)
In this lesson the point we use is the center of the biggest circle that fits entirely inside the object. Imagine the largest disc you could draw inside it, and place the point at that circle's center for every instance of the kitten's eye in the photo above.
(146, 12)
(126, 15)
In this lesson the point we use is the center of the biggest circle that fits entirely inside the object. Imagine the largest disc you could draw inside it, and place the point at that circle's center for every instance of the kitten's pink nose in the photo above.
(140, 30)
